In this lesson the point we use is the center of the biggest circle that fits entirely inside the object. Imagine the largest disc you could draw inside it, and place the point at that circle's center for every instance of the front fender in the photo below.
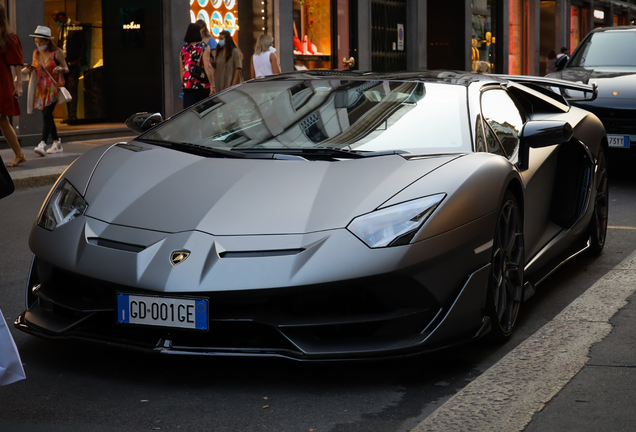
(474, 184)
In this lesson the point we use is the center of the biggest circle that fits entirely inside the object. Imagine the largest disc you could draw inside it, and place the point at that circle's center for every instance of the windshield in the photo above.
(341, 114)
(609, 48)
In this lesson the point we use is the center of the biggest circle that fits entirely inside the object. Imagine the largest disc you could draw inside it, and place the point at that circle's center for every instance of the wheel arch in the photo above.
(514, 186)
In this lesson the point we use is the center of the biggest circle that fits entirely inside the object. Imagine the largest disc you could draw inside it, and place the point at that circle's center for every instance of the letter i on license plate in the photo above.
(187, 313)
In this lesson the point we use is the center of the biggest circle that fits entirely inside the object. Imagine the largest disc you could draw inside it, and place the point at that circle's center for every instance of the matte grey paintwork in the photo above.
(165, 200)
(244, 197)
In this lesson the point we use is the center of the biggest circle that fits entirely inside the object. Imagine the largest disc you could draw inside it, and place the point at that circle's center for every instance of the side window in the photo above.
(504, 118)
(492, 143)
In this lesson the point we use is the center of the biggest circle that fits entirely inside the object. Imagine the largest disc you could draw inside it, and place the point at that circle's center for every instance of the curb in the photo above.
(507, 395)
(36, 181)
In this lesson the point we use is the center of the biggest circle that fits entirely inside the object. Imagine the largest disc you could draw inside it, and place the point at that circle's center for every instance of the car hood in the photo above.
(166, 190)
(609, 80)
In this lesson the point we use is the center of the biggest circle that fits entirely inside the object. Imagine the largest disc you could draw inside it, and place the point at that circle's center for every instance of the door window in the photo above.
(503, 116)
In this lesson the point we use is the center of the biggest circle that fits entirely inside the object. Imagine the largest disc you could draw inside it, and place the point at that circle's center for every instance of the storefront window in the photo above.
(80, 38)
(218, 15)
(312, 34)
(483, 36)
(620, 20)
(515, 35)
(575, 27)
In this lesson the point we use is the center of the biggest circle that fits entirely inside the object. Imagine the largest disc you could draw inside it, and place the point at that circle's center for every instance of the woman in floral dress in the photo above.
(197, 75)
(50, 67)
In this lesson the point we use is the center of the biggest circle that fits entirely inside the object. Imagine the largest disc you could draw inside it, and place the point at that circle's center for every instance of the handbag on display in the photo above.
(63, 95)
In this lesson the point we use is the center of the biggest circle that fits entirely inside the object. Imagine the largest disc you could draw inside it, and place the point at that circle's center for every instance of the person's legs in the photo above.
(48, 128)
(48, 125)
(202, 94)
(57, 143)
(12, 139)
(189, 98)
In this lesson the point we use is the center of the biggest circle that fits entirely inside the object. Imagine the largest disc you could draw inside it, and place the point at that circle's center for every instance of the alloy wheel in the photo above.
(507, 270)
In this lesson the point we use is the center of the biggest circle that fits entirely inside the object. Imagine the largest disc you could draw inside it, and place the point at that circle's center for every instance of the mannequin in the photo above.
(475, 55)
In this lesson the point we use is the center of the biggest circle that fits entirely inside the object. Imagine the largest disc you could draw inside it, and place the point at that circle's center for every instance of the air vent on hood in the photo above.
(260, 254)
(131, 147)
(127, 247)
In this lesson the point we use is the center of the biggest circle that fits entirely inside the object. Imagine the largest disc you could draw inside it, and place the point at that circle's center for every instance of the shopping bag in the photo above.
(6, 184)
(10, 364)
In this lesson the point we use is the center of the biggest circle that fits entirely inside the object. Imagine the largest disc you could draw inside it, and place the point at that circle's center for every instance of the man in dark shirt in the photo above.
(562, 59)
(72, 41)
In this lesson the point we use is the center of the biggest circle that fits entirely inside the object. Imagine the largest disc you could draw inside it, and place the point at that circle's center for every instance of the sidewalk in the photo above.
(577, 373)
(40, 171)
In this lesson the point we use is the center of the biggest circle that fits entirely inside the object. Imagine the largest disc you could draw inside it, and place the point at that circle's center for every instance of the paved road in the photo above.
(77, 386)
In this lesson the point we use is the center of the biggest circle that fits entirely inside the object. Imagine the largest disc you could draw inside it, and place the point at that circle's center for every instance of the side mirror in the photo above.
(143, 121)
(6, 184)
(542, 133)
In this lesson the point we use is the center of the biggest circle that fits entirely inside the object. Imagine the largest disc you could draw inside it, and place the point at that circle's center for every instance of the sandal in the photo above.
(17, 161)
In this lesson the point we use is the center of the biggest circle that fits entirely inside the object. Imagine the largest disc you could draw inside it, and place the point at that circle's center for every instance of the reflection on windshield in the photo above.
(610, 48)
(341, 114)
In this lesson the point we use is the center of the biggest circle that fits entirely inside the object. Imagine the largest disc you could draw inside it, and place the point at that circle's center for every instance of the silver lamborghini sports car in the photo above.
(322, 215)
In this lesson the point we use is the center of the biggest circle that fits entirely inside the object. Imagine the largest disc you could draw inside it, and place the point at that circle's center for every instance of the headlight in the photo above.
(64, 205)
(395, 225)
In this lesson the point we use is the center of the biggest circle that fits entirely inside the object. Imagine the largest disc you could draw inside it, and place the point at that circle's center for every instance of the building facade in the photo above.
(130, 48)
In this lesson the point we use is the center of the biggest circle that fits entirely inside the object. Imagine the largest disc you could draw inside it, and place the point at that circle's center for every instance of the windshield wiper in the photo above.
(322, 152)
(197, 149)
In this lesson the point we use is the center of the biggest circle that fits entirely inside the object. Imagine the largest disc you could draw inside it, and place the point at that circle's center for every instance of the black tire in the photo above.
(505, 291)
(598, 224)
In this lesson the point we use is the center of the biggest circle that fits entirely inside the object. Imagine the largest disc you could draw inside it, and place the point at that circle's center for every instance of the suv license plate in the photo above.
(188, 313)
(620, 141)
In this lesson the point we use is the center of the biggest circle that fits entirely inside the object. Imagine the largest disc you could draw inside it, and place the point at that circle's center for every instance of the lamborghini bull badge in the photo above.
(177, 257)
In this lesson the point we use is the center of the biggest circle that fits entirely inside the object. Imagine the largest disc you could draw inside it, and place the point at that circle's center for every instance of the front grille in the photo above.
(616, 121)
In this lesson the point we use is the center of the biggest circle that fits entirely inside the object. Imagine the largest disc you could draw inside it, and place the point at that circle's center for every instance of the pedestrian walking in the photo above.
(50, 66)
(197, 76)
(10, 89)
(229, 62)
(264, 61)
(550, 63)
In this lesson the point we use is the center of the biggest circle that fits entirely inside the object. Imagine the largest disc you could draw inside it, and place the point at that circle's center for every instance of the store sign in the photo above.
(599, 14)
(132, 25)
(400, 30)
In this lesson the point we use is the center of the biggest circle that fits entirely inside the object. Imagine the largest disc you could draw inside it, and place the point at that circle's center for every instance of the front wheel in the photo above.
(598, 224)
(505, 292)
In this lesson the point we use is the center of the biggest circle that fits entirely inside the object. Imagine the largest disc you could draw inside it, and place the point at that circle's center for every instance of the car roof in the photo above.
(435, 76)
(614, 29)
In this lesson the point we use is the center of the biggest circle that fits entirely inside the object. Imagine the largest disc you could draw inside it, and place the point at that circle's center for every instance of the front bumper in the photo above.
(617, 121)
(384, 316)
(334, 298)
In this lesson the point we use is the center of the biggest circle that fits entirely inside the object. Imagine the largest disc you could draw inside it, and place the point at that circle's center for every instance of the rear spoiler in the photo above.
(590, 91)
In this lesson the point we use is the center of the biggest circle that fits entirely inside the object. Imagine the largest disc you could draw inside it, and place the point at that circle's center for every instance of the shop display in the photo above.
(312, 34)
(218, 15)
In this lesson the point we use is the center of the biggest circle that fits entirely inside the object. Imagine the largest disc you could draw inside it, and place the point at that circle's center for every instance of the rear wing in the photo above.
(570, 91)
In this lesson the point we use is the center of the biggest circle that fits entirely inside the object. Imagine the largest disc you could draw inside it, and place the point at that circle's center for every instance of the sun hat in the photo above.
(42, 32)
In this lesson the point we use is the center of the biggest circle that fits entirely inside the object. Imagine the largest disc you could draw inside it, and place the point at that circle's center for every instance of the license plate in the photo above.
(187, 313)
(621, 141)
